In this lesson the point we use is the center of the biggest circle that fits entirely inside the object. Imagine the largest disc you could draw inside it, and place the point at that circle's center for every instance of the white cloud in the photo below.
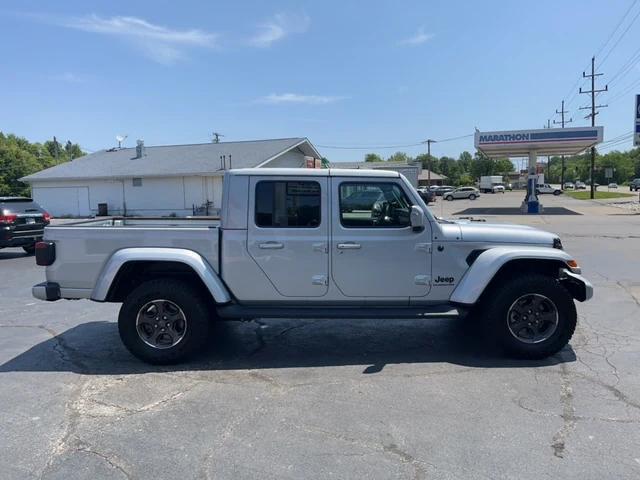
(278, 27)
(418, 38)
(162, 44)
(295, 98)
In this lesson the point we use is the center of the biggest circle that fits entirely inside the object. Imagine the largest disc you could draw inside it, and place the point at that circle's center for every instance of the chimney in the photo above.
(139, 148)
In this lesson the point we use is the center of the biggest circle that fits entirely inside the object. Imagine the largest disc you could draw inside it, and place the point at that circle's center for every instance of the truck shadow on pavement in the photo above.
(94, 348)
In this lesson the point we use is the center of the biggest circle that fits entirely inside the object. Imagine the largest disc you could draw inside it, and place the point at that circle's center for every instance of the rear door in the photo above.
(288, 233)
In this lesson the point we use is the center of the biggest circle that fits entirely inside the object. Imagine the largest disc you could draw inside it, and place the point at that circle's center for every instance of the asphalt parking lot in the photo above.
(331, 398)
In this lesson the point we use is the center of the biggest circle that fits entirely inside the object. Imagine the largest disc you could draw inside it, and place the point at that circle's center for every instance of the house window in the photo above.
(287, 204)
(137, 182)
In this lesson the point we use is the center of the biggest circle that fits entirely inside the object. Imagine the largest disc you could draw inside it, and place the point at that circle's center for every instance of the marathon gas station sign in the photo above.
(550, 141)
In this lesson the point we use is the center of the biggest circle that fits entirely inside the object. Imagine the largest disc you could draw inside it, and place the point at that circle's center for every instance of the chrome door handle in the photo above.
(271, 246)
(349, 246)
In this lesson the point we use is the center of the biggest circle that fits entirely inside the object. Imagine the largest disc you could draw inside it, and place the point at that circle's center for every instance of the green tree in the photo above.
(19, 158)
(399, 157)
(373, 157)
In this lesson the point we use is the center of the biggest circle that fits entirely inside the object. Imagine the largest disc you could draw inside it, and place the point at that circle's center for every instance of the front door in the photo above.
(375, 252)
(288, 233)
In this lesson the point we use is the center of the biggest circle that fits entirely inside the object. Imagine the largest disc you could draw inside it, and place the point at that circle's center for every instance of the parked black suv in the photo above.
(22, 223)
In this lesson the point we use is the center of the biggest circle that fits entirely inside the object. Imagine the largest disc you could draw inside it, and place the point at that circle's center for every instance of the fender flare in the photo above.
(200, 266)
(489, 262)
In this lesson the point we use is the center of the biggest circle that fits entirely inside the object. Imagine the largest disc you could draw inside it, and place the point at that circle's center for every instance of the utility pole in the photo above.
(593, 113)
(548, 125)
(429, 142)
(562, 123)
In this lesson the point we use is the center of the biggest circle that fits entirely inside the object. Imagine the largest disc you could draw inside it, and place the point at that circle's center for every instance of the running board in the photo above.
(235, 311)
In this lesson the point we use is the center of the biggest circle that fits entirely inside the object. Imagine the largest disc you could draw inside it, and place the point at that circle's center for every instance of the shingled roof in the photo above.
(173, 160)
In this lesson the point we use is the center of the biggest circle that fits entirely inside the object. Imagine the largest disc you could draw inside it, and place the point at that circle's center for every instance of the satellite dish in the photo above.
(120, 139)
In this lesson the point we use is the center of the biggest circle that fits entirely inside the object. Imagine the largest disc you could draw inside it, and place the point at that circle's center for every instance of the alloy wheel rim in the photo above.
(161, 324)
(532, 318)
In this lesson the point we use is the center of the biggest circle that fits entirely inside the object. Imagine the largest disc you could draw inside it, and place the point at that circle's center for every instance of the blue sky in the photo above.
(341, 73)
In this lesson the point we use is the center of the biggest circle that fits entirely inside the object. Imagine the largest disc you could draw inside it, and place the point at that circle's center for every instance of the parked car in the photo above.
(612, 185)
(569, 186)
(285, 247)
(360, 200)
(634, 186)
(508, 186)
(428, 196)
(546, 188)
(497, 189)
(581, 186)
(442, 189)
(463, 192)
(22, 223)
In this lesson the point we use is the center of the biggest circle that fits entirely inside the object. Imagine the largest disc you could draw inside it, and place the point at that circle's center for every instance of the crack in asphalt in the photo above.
(629, 292)
(61, 347)
(106, 458)
(391, 449)
(568, 414)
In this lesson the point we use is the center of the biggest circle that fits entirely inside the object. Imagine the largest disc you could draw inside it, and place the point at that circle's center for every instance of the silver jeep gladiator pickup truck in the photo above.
(317, 243)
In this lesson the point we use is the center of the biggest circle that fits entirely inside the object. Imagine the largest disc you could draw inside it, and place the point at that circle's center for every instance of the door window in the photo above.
(373, 205)
(282, 204)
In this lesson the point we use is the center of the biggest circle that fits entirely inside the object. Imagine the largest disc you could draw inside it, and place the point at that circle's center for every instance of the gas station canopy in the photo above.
(549, 141)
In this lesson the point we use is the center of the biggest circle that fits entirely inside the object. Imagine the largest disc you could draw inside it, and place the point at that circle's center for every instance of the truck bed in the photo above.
(82, 248)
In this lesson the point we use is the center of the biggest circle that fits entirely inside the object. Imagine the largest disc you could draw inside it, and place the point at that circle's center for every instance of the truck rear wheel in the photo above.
(532, 317)
(164, 321)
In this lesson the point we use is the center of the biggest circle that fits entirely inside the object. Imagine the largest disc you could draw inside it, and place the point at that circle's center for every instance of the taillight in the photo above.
(46, 217)
(45, 253)
(8, 218)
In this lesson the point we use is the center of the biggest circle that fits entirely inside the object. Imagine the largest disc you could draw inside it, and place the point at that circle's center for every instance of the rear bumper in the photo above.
(579, 287)
(19, 238)
(48, 291)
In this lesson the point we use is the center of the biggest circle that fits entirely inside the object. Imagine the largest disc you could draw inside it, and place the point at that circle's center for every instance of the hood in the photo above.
(498, 233)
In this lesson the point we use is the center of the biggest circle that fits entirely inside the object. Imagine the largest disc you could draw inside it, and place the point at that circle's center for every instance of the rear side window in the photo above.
(287, 204)
(373, 205)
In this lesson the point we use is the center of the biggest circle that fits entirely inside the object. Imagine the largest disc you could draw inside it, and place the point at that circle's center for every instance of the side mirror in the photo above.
(417, 219)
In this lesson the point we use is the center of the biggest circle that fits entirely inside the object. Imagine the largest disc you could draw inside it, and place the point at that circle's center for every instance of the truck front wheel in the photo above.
(532, 316)
(164, 321)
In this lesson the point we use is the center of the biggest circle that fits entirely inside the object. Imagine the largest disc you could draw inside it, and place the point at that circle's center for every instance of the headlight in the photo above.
(557, 243)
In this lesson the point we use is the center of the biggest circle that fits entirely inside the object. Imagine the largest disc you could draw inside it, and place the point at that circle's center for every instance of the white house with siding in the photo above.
(158, 180)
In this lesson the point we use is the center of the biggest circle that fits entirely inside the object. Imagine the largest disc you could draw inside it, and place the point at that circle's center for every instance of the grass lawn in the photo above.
(585, 195)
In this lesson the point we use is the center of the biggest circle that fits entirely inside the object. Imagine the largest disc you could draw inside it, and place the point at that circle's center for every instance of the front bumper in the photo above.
(579, 287)
(49, 291)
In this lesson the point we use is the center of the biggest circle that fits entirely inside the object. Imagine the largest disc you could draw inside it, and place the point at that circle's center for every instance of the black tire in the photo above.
(557, 192)
(192, 303)
(472, 196)
(504, 296)
(449, 198)
(30, 249)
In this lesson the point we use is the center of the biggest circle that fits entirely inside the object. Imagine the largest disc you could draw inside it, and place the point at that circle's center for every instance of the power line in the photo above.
(626, 90)
(573, 92)
(369, 147)
(626, 68)
(619, 137)
(620, 37)
(455, 138)
(405, 145)
(622, 19)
